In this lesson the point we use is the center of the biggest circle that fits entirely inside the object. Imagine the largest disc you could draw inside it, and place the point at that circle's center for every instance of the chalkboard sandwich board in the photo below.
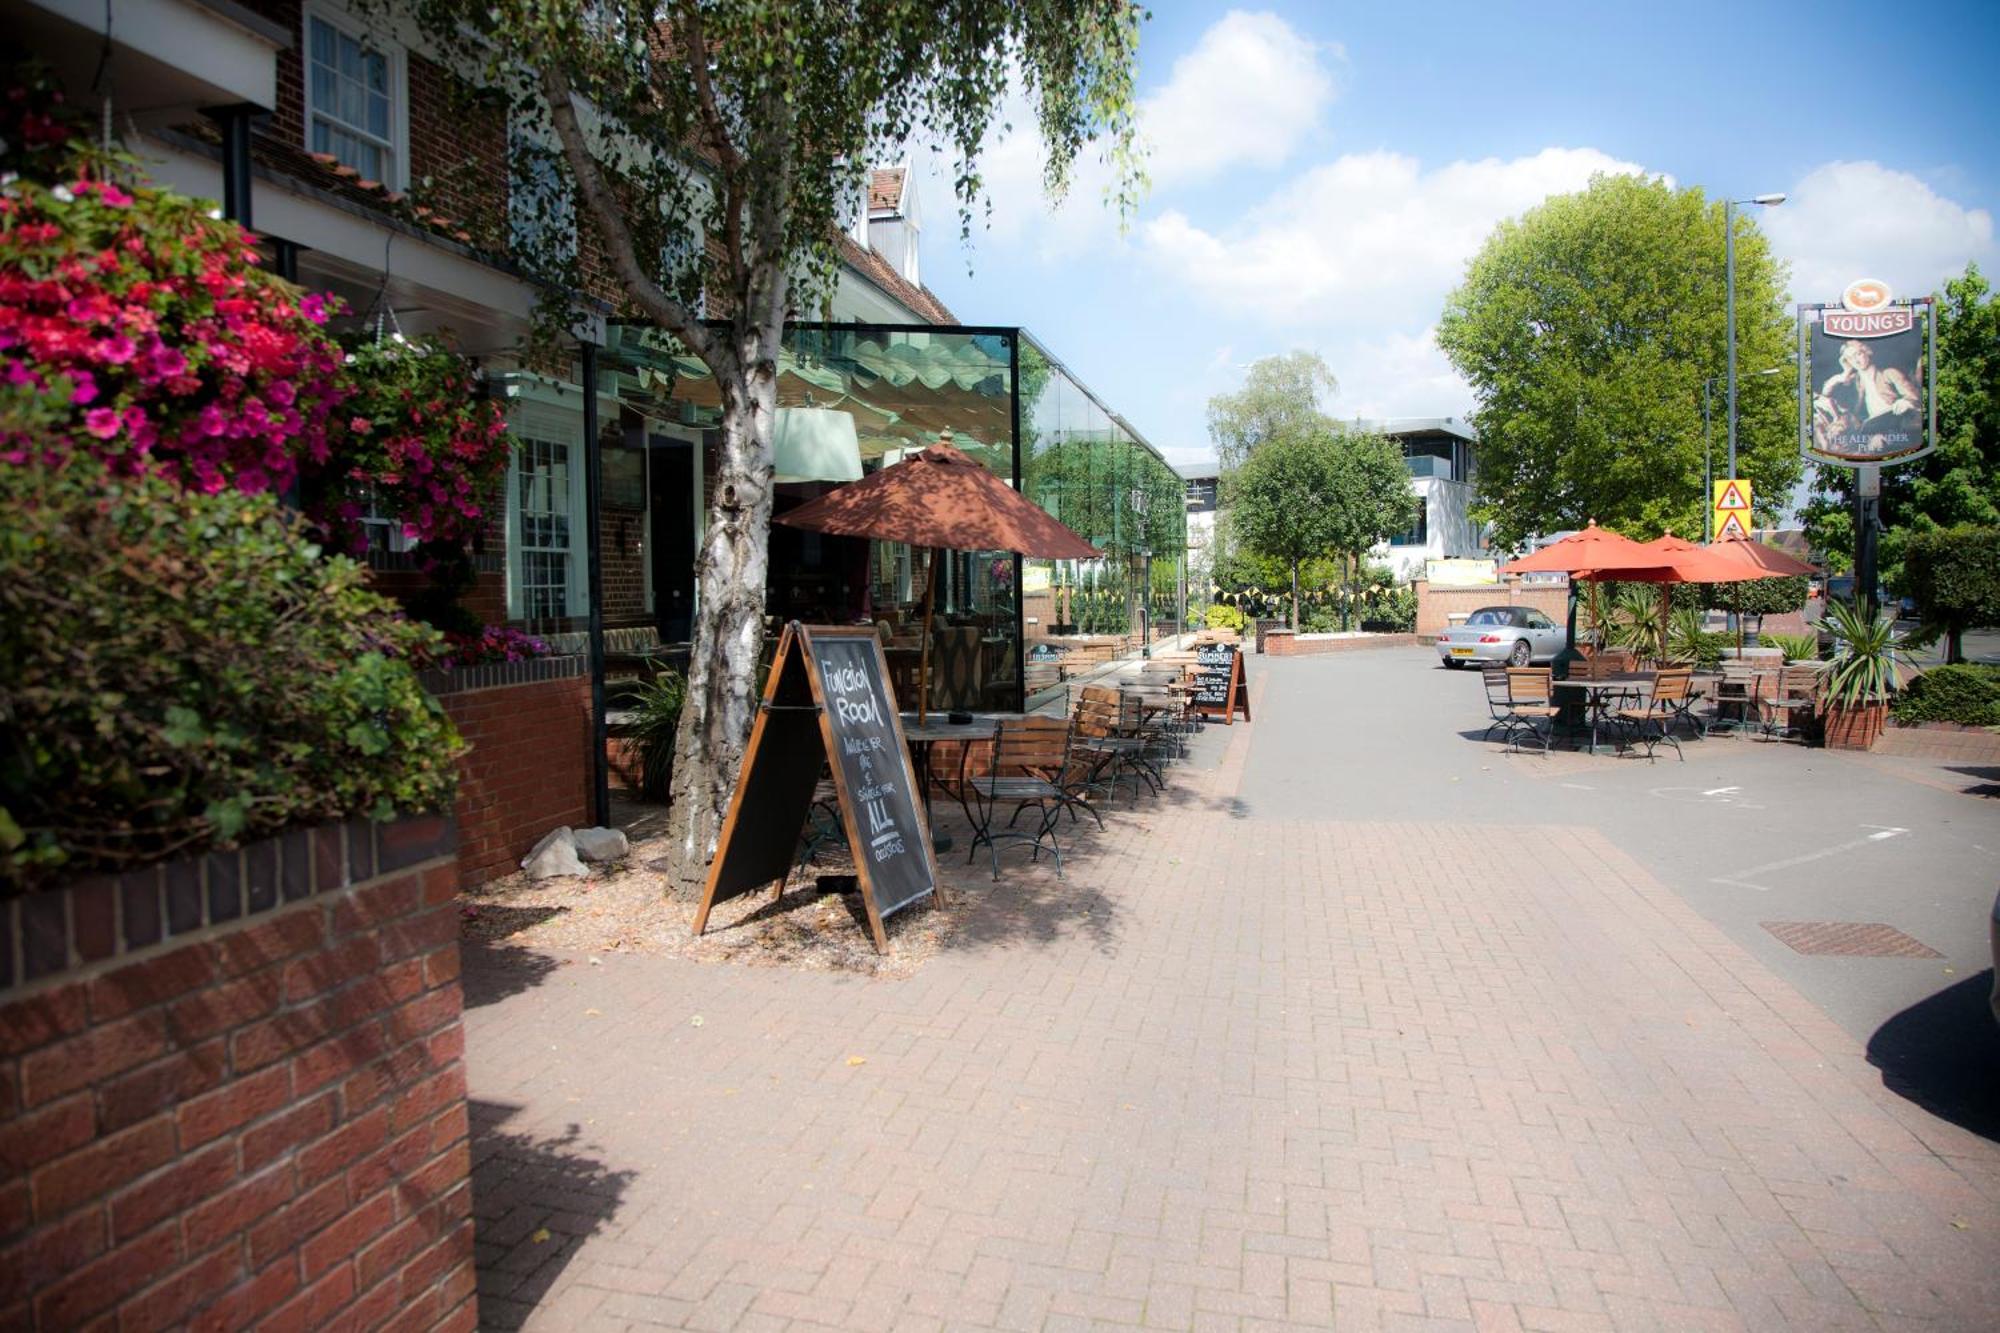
(827, 698)
(1220, 687)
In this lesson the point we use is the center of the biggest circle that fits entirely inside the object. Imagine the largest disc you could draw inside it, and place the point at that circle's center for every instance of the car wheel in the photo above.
(1519, 657)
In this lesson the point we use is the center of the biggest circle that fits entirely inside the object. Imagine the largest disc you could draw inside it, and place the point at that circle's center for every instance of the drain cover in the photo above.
(1849, 939)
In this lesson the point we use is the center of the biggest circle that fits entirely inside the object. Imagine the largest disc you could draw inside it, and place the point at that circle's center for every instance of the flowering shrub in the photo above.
(164, 347)
(418, 434)
(179, 669)
(493, 643)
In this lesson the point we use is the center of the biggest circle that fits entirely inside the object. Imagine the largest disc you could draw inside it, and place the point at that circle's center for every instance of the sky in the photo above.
(1321, 174)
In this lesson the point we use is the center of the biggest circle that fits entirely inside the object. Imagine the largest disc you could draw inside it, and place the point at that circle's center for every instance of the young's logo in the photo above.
(1865, 295)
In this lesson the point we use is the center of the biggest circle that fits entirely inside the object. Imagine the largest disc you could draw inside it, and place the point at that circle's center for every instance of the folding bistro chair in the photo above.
(1030, 758)
(1494, 676)
(1651, 723)
(1794, 690)
(1109, 755)
(1531, 703)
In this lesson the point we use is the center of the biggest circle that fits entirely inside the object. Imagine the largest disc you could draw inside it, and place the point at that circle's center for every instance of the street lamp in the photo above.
(1708, 455)
(1729, 267)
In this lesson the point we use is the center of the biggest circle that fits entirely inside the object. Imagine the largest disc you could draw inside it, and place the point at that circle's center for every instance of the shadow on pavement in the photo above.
(1986, 780)
(492, 970)
(535, 1200)
(1943, 1053)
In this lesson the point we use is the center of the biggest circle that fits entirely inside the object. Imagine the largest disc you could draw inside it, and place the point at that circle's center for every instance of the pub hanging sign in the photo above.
(1867, 377)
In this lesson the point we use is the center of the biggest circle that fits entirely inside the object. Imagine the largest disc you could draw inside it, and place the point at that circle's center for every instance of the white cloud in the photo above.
(1247, 94)
(1252, 89)
(1368, 237)
(1848, 220)
(1398, 375)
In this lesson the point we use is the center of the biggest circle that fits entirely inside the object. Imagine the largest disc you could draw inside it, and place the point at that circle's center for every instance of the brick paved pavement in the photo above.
(1235, 1074)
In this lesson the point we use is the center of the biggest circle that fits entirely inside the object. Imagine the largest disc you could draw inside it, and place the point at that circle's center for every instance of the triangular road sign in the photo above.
(1731, 526)
(1732, 495)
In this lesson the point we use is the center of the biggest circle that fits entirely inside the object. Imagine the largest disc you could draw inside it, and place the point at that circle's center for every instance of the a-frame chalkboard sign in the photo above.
(828, 697)
(1220, 687)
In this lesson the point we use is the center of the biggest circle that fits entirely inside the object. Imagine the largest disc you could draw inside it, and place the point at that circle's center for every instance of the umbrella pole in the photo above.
(1666, 620)
(924, 651)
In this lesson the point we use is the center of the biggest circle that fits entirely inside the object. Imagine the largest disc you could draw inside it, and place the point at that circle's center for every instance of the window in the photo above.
(541, 214)
(354, 98)
(545, 519)
(1417, 535)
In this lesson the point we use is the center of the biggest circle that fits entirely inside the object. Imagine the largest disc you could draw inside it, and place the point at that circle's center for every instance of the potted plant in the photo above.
(1863, 677)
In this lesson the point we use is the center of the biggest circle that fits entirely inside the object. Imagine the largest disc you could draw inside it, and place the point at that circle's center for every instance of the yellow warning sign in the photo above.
(1732, 495)
(1730, 525)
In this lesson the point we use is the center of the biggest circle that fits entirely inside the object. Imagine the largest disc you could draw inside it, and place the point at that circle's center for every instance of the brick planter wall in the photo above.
(232, 1091)
(1435, 606)
(1283, 643)
(528, 724)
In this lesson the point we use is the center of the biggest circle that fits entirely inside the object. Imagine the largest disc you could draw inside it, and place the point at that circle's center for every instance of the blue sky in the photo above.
(1322, 173)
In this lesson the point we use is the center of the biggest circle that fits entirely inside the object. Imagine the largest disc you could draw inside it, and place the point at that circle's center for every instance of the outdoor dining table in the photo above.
(1598, 694)
(921, 736)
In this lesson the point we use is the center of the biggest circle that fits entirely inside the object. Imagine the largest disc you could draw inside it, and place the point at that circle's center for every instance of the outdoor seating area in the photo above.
(1634, 709)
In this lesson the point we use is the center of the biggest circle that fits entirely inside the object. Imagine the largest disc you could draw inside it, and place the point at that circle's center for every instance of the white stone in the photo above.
(554, 856)
(601, 844)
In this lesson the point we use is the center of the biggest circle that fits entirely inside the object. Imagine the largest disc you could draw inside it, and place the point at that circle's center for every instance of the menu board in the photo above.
(827, 699)
(1219, 685)
(873, 769)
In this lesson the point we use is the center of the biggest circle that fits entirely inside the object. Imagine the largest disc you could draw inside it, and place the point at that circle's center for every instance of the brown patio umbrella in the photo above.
(1768, 561)
(940, 497)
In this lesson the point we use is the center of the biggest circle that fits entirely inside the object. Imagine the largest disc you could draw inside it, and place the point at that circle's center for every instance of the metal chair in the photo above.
(1494, 677)
(1651, 723)
(1531, 705)
(1110, 755)
(1794, 690)
(1031, 756)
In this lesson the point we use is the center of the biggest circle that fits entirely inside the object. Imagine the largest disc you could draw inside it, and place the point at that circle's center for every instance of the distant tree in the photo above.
(1280, 398)
(1320, 494)
(1954, 573)
(1959, 481)
(1586, 328)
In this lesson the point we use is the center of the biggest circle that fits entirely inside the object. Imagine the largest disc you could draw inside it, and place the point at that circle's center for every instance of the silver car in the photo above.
(1516, 635)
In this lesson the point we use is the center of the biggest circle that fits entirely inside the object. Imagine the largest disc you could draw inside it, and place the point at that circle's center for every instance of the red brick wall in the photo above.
(528, 770)
(252, 1113)
(1435, 604)
(1291, 645)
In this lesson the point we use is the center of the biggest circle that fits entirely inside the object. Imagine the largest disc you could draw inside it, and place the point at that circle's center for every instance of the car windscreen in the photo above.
(1491, 616)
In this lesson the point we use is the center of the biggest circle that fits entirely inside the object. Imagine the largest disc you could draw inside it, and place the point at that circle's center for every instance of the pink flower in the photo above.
(313, 306)
(360, 425)
(102, 422)
(115, 350)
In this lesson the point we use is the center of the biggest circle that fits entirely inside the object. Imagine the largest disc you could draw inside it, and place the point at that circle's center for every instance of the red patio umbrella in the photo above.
(1591, 548)
(1768, 561)
(940, 497)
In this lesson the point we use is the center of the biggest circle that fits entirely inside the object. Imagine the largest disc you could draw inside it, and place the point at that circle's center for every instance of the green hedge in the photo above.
(1965, 693)
(179, 670)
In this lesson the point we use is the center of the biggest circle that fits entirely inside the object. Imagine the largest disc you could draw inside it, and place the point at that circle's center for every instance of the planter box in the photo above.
(231, 1079)
(1854, 728)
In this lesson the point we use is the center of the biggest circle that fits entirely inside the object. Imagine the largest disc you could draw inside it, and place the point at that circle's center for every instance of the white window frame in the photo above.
(397, 146)
(561, 426)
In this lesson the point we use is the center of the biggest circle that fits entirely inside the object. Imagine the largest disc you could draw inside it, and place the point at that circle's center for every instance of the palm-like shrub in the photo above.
(1866, 658)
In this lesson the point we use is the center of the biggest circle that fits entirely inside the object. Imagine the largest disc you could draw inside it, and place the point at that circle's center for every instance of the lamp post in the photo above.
(1729, 268)
(1708, 455)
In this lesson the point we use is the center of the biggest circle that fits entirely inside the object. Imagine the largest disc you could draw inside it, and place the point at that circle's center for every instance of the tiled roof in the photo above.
(885, 190)
(882, 273)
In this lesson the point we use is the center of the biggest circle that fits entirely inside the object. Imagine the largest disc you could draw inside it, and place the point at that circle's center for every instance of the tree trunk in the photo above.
(729, 626)
(1295, 597)
(1954, 645)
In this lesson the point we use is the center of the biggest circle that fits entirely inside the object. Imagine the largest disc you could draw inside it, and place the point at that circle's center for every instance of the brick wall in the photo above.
(1285, 644)
(529, 767)
(1434, 605)
(232, 1092)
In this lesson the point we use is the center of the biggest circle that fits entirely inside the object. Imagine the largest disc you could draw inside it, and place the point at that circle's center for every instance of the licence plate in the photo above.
(1461, 652)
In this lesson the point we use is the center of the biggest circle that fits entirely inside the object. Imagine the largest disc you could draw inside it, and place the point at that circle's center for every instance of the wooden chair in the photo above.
(1498, 705)
(1531, 705)
(1651, 723)
(1793, 690)
(1031, 756)
(1736, 690)
(1109, 755)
